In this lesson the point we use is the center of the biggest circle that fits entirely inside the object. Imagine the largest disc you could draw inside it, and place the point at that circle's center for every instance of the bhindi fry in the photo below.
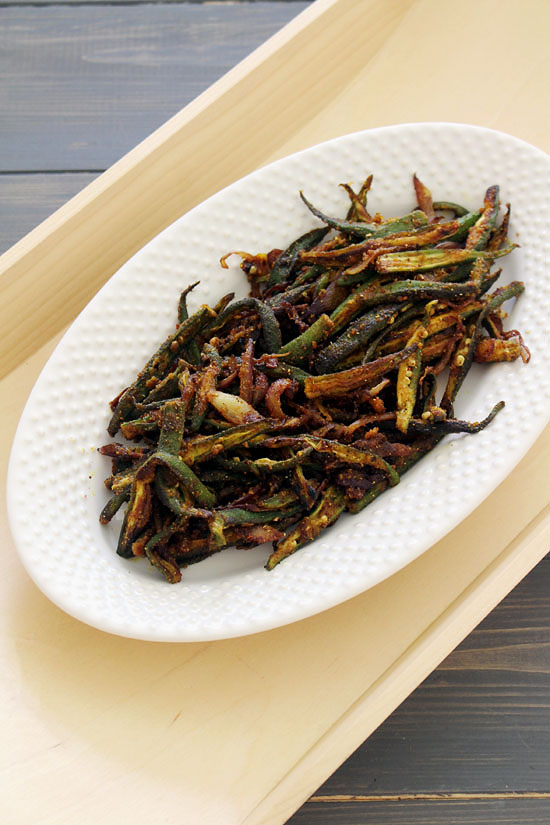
(264, 419)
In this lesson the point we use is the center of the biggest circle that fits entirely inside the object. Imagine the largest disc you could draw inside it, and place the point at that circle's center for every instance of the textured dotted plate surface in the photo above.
(55, 486)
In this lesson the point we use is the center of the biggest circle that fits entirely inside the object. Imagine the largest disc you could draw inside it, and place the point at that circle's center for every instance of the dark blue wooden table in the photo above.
(82, 83)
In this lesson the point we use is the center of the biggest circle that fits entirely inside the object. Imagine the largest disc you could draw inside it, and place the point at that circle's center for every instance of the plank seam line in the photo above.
(50, 3)
(428, 797)
(6, 172)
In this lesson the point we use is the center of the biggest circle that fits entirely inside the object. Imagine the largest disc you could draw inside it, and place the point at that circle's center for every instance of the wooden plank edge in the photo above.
(51, 274)
(517, 559)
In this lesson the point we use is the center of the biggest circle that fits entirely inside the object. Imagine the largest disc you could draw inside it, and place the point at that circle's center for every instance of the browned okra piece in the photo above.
(341, 383)
(331, 504)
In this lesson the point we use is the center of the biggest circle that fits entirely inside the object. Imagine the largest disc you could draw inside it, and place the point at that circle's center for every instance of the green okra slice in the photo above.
(408, 372)
(170, 439)
(183, 313)
(480, 232)
(454, 425)
(449, 206)
(192, 349)
(356, 335)
(331, 504)
(283, 266)
(499, 234)
(305, 490)
(351, 455)
(161, 558)
(284, 370)
(202, 447)
(513, 290)
(424, 260)
(345, 381)
(156, 367)
(240, 515)
(113, 506)
(406, 222)
(173, 426)
(136, 516)
(291, 295)
(358, 206)
(460, 364)
(297, 350)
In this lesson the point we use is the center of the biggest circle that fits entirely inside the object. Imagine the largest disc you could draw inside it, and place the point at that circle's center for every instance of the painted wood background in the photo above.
(82, 83)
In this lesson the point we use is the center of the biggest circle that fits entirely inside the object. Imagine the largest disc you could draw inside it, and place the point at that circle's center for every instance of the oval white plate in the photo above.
(55, 488)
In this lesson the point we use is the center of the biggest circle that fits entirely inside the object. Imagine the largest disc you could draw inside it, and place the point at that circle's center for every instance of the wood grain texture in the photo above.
(81, 85)
(472, 811)
(472, 743)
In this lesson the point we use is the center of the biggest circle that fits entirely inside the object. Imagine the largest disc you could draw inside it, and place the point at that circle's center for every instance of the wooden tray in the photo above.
(105, 729)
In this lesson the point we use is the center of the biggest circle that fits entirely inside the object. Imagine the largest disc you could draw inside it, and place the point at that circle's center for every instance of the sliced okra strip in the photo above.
(284, 370)
(192, 349)
(351, 455)
(358, 207)
(499, 234)
(307, 493)
(345, 381)
(240, 515)
(497, 350)
(424, 198)
(356, 335)
(173, 426)
(309, 274)
(480, 232)
(449, 206)
(162, 559)
(283, 266)
(424, 260)
(136, 516)
(504, 293)
(170, 439)
(113, 506)
(210, 352)
(408, 373)
(408, 311)
(331, 504)
(461, 362)
(262, 465)
(290, 296)
(372, 230)
(207, 383)
(297, 350)
(183, 313)
(454, 425)
(202, 447)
